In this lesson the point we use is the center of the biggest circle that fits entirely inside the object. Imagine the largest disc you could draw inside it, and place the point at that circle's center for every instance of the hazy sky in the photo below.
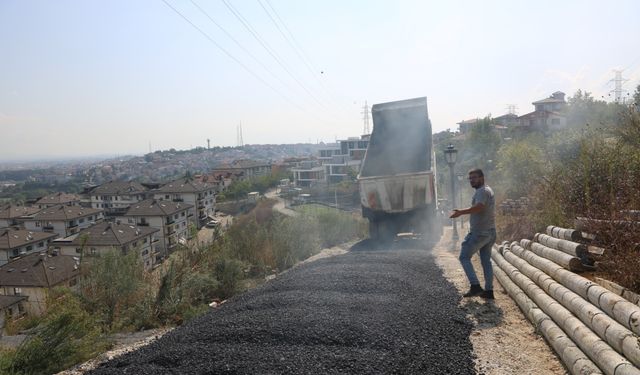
(111, 77)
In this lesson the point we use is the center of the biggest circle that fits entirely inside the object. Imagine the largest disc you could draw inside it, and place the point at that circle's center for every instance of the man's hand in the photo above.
(455, 214)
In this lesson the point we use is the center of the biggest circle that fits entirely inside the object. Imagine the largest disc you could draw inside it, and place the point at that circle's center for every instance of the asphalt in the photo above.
(367, 311)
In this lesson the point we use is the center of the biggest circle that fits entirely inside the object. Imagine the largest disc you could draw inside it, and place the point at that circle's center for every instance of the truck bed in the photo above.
(401, 139)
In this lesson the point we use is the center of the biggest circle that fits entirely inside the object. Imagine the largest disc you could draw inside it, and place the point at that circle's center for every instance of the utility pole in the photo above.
(619, 81)
(365, 118)
(208, 144)
(239, 131)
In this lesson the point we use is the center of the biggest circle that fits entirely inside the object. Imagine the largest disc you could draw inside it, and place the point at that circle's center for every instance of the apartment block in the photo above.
(15, 243)
(104, 237)
(200, 195)
(63, 220)
(173, 220)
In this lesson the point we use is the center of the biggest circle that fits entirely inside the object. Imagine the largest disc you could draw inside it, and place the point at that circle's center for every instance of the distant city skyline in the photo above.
(81, 79)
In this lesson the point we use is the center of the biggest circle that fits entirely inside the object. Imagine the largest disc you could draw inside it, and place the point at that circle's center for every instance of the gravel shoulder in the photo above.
(504, 341)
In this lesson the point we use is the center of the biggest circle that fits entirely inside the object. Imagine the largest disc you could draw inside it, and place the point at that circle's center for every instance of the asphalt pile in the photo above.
(367, 311)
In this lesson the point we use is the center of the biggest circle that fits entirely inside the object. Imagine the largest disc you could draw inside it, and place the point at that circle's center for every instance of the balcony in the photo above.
(178, 199)
(47, 228)
(143, 224)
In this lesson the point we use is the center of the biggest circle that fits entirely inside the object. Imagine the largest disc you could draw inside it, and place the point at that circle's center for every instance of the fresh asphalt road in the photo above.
(367, 311)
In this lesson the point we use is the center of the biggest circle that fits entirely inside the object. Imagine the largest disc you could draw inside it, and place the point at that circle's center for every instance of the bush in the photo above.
(116, 290)
(67, 335)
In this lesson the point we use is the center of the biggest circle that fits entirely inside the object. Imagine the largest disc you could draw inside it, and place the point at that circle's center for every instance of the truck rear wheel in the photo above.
(373, 229)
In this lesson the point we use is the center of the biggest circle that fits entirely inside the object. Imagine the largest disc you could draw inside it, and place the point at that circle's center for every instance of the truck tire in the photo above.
(373, 229)
(387, 230)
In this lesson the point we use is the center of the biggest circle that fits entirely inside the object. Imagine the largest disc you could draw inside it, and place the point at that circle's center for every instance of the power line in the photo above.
(236, 60)
(270, 50)
(295, 45)
(240, 45)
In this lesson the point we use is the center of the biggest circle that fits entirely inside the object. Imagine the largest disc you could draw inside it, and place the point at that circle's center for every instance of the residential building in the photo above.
(465, 126)
(172, 219)
(11, 308)
(115, 197)
(220, 180)
(10, 215)
(33, 275)
(63, 220)
(245, 168)
(16, 243)
(548, 115)
(104, 237)
(200, 195)
(335, 163)
(56, 199)
(308, 173)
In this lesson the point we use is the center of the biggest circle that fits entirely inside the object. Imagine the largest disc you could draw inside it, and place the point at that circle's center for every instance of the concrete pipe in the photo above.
(606, 328)
(623, 311)
(606, 358)
(573, 358)
(564, 233)
(565, 260)
(571, 248)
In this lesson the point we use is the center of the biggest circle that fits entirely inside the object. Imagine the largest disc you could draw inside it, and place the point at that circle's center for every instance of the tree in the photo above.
(520, 165)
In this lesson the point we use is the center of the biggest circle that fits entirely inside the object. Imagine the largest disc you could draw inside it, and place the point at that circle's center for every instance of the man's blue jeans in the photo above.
(481, 241)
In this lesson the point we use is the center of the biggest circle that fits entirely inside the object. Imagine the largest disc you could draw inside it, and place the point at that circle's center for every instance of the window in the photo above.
(30, 247)
(175, 216)
(81, 220)
(40, 244)
(15, 252)
(145, 252)
(17, 291)
(555, 121)
(135, 244)
(182, 214)
(145, 240)
(38, 224)
(166, 197)
(78, 250)
(94, 251)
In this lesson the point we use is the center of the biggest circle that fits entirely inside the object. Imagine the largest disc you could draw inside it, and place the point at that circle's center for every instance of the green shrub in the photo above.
(67, 335)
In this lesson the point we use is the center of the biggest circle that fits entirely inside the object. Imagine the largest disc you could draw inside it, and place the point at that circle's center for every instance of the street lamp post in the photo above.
(450, 155)
(460, 179)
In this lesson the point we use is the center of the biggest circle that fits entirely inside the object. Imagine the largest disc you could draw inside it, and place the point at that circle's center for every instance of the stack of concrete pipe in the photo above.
(593, 330)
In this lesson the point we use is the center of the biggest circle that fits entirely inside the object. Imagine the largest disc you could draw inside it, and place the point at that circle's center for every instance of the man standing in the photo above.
(481, 237)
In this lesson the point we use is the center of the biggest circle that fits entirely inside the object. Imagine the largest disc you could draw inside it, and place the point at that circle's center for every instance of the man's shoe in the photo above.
(487, 294)
(475, 290)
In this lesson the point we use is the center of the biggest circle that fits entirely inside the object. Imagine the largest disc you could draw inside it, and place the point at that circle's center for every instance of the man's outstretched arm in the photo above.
(478, 207)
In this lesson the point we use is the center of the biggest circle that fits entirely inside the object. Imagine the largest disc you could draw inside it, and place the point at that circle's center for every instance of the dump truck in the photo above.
(397, 177)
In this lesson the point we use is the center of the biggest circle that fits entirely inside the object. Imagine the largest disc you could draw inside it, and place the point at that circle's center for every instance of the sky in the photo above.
(83, 77)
